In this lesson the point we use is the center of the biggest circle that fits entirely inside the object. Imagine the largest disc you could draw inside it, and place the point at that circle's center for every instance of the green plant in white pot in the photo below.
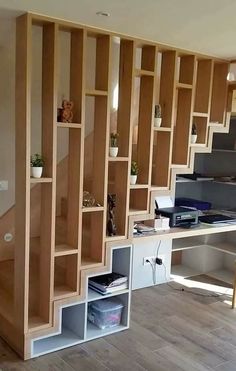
(113, 150)
(194, 134)
(134, 172)
(157, 116)
(37, 164)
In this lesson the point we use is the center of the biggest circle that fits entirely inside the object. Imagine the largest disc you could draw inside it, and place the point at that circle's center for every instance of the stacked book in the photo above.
(108, 283)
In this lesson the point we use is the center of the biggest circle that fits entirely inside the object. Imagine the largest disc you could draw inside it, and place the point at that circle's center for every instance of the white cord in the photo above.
(153, 266)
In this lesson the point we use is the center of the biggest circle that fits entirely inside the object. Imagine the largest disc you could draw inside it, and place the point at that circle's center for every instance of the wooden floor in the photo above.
(170, 330)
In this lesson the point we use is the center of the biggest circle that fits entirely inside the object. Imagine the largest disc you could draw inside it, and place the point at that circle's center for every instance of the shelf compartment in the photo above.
(145, 59)
(92, 238)
(144, 129)
(68, 187)
(65, 277)
(203, 86)
(93, 332)
(219, 92)
(98, 48)
(167, 87)
(202, 129)
(41, 243)
(121, 263)
(117, 185)
(186, 71)
(61, 250)
(161, 159)
(182, 127)
(72, 332)
(139, 200)
(95, 147)
(125, 96)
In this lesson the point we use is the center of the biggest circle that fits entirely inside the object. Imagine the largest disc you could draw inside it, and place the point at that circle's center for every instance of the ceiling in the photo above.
(206, 26)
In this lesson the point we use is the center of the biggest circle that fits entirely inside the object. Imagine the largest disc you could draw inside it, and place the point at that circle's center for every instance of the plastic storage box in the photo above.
(105, 313)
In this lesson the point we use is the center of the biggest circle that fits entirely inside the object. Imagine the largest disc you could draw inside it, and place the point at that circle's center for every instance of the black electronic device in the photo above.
(179, 216)
(216, 219)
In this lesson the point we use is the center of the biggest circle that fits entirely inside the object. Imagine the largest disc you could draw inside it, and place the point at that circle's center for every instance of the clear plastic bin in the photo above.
(105, 313)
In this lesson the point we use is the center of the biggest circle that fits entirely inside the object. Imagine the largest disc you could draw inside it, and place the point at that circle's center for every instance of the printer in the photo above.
(179, 216)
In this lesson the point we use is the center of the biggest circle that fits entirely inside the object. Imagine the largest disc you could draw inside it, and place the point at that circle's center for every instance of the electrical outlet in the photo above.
(3, 185)
(152, 259)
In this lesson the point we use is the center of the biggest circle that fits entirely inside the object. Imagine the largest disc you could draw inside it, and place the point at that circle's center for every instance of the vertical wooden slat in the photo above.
(22, 165)
(76, 148)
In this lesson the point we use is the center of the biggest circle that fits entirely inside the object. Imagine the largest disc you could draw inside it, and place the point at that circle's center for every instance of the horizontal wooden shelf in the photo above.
(69, 125)
(118, 159)
(92, 209)
(87, 263)
(138, 186)
(180, 85)
(40, 180)
(215, 123)
(37, 323)
(140, 72)
(197, 145)
(162, 128)
(94, 93)
(200, 114)
(114, 238)
(63, 291)
(158, 188)
(62, 250)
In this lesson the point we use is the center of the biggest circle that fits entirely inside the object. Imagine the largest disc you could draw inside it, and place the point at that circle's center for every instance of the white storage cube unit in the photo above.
(74, 327)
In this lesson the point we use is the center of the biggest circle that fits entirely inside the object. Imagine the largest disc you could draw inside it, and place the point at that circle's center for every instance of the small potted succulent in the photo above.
(37, 164)
(194, 134)
(113, 150)
(134, 172)
(157, 116)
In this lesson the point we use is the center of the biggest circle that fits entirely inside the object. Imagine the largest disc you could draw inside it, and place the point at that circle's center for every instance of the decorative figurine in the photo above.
(111, 227)
(65, 113)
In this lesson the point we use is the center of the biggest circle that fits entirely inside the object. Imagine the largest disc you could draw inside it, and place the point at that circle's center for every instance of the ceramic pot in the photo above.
(193, 138)
(133, 179)
(36, 172)
(157, 122)
(113, 151)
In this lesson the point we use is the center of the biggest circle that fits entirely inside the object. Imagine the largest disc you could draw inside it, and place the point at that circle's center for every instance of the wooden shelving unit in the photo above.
(58, 241)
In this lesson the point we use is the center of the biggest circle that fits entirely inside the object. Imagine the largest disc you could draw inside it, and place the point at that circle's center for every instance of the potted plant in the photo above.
(194, 134)
(37, 164)
(157, 116)
(134, 172)
(113, 150)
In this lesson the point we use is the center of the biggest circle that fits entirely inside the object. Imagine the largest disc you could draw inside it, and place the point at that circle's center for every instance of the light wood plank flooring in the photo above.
(170, 331)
